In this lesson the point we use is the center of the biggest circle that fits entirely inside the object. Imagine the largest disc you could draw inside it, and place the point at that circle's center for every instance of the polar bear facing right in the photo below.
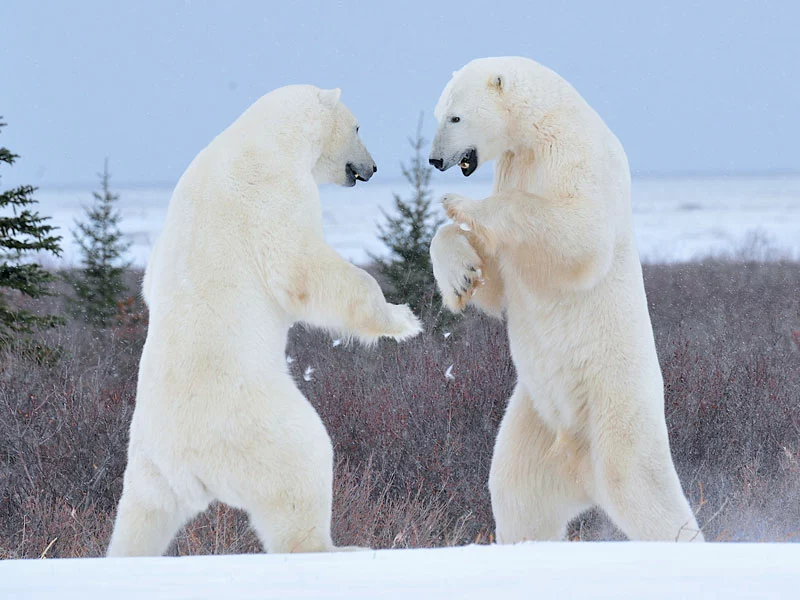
(553, 250)
(242, 258)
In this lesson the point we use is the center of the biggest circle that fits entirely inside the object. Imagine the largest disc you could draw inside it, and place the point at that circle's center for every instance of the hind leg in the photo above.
(149, 513)
(635, 479)
(294, 516)
(534, 485)
(284, 479)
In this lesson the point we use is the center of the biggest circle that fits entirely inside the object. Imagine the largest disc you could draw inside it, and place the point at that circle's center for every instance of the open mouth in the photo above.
(352, 175)
(469, 162)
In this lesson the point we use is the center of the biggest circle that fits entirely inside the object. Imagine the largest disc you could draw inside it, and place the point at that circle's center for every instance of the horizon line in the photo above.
(637, 174)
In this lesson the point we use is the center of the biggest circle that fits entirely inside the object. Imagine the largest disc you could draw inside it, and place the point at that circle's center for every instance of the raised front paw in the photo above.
(457, 268)
(460, 209)
(403, 324)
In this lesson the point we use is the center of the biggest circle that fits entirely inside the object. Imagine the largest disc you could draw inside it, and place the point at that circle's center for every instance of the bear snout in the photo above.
(362, 172)
(437, 163)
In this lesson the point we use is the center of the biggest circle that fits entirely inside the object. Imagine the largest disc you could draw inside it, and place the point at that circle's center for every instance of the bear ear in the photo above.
(498, 82)
(329, 98)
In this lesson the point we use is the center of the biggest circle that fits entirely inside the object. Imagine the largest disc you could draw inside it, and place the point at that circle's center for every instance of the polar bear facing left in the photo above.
(552, 250)
(241, 258)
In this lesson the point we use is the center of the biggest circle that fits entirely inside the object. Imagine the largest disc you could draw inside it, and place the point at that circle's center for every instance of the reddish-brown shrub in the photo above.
(413, 447)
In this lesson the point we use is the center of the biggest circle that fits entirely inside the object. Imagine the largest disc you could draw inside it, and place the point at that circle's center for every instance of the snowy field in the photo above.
(544, 570)
(675, 218)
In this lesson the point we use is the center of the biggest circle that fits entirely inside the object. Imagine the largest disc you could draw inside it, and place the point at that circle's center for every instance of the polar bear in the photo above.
(241, 258)
(553, 250)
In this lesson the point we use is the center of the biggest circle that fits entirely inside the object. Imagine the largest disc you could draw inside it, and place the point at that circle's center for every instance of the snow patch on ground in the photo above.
(531, 570)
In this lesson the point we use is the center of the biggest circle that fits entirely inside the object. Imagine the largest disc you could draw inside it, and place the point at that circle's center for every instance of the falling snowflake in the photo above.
(336, 343)
(448, 374)
(289, 360)
(446, 334)
(307, 374)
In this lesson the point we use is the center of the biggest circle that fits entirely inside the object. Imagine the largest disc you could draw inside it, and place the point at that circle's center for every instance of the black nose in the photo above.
(374, 169)
(436, 162)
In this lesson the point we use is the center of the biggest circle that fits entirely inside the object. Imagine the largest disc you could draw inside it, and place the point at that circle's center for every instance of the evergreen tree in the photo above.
(99, 284)
(407, 271)
(22, 233)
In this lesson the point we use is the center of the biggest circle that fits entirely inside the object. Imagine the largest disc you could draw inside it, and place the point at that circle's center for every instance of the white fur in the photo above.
(242, 258)
(555, 251)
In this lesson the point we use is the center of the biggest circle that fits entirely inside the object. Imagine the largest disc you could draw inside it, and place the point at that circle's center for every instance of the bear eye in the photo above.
(356, 128)
(455, 119)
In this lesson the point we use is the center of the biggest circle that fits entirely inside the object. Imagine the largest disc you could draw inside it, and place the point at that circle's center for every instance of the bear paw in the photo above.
(403, 324)
(460, 209)
(457, 268)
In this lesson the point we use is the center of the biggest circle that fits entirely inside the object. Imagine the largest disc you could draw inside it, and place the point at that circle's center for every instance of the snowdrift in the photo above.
(531, 570)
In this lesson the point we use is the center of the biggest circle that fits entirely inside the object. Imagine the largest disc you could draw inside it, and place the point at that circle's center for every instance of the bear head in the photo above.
(489, 106)
(343, 158)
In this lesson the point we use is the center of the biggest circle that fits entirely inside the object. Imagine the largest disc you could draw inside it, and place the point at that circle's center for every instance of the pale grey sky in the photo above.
(687, 86)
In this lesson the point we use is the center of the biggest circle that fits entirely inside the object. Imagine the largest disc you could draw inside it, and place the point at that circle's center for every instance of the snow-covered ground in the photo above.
(675, 218)
(543, 570)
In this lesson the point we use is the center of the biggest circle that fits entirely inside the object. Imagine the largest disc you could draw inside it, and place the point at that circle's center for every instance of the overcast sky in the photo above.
(700, 86)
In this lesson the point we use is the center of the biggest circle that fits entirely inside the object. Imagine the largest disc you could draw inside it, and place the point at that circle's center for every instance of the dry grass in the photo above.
(413, 448)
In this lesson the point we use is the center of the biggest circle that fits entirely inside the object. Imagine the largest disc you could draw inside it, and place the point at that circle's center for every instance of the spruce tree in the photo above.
(99, 283)
(22, 233)
(407, 272)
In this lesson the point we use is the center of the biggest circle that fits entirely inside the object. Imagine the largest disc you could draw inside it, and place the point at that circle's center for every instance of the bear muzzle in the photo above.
(359, 172)
(468, 162)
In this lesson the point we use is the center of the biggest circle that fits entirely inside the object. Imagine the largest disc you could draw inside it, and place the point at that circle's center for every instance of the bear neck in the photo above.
(292, 133)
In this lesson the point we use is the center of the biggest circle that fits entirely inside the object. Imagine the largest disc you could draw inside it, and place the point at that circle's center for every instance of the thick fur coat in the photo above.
(553, 250)
(240, 260)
